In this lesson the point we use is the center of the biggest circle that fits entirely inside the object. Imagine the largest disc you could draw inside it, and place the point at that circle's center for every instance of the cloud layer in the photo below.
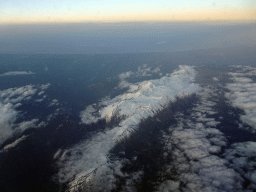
(195, 145)
(243, 94)
(140, 101)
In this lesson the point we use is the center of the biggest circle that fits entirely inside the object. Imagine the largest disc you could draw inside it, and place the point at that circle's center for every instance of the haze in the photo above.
(100, 26)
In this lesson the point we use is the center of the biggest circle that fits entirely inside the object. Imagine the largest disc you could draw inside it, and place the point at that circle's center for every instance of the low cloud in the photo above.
(125, 75)
(10, 100)
(15, 143)
(194, 148)
(243, 94)
(143, 71)
(243, 157)
(17, 73)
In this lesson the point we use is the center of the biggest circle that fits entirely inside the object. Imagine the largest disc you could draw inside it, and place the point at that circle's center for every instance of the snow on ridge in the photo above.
(243, 95)
(143, 97)
(138, 102)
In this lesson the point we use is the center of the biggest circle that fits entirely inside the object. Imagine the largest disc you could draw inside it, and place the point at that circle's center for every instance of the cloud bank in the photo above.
(243, 94)
(195, 145)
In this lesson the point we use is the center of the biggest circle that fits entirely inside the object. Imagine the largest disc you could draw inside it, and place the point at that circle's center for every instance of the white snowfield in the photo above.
(143, 98)
(140, 101)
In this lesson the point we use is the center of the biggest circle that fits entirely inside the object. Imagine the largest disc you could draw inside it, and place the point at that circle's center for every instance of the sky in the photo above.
(47, 11)
(111, 26)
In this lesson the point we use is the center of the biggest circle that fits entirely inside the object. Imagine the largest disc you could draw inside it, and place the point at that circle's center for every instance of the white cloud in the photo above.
(156, 70)
(8, 116)
(125, 75)
(54, 102)
(170, 185)
(27, 124)
(14, 95)
(142, 71)
(40, 100)
(87, 116)
(243, 157)
(45, 86)
(41, 92)
(215, 78)
(243, 95)
(194, 148)
(17, 73)
(123, 84)
(9, 100)
(15, 143)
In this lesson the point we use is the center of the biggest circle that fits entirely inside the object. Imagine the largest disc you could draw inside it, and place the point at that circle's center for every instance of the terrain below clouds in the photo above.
(128, 122)
(183, 121)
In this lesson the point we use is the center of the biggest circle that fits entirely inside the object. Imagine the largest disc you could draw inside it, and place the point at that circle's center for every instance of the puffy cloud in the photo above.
(194, 147)
(215, 79)
(123, 84)
(243, 157)
(243, 95)
(54, 102)
(14, 95)
(45, 86)
(141, 72)
(125, 75)
(10, 99)
(8, 116)
(88, 115)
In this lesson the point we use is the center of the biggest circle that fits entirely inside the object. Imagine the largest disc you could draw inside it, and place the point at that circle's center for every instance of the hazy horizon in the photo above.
(123, 37)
